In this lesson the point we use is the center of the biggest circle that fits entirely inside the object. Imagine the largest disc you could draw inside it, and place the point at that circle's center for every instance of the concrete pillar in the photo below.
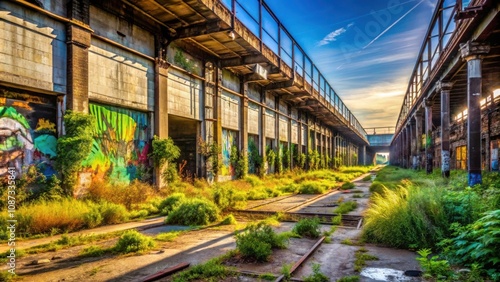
(413, 145)
(362, 155)
(428, 136)
(445, 88)
(418, 140)
(218, 115)
(78, 41)
(244, 121)
(289, 137)
(262, 145)
(161, 109)
(471, 52)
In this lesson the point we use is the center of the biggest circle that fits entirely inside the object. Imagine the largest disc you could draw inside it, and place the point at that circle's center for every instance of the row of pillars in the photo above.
(405, 153)
(329, 142)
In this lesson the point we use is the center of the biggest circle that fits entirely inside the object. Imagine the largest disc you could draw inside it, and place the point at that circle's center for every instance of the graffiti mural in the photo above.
(121, 143)
(28, 135)
(229, 139)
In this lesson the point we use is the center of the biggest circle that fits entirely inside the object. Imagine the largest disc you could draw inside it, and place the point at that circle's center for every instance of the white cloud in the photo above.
(332, 36)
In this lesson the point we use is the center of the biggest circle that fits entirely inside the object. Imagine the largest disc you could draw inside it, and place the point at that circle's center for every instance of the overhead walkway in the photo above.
(449, 115)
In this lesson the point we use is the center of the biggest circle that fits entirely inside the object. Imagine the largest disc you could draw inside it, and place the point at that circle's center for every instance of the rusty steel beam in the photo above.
(302, 259)
(199, 29)
(243, 61)
(166, 272)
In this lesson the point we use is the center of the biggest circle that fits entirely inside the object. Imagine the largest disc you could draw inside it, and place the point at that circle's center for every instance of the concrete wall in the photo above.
(184, 94)
(230, 110)
(32, 49)
(119, 77)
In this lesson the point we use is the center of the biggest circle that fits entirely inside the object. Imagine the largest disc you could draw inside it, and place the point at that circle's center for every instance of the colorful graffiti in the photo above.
(28, 135)
(229, 139)
(121, 143)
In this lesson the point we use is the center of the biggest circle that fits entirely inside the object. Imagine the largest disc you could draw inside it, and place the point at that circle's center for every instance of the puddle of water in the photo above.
(385, 274)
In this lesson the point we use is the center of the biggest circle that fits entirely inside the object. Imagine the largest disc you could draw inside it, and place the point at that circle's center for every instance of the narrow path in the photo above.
(143, 224)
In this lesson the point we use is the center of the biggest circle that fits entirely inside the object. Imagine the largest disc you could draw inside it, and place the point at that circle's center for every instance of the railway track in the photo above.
(288, 208)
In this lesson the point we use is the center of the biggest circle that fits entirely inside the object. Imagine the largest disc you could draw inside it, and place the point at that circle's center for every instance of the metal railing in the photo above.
(264, 24)
(439, 34)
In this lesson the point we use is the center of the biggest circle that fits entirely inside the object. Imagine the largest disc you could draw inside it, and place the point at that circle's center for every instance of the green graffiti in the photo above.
(120, 145)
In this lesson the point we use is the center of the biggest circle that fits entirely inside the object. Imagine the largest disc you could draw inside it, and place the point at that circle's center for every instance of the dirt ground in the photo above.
(197, 246)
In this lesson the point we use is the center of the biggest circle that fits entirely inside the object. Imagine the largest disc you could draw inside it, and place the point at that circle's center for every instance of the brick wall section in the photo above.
(78, 68)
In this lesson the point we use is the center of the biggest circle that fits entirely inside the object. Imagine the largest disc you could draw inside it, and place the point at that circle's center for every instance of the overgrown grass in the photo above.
(194, 212)
(308, 227)
(346, 207)
(413, 210)
(257, 242)
(362, 256)
(132, 241)
(212, 270)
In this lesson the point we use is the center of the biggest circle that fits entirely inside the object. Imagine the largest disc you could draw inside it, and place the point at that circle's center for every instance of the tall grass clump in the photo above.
(194, 212)
(406, 217)
(43, 216)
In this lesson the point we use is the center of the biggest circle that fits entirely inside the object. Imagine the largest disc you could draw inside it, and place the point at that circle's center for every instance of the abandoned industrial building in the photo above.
(195, 72)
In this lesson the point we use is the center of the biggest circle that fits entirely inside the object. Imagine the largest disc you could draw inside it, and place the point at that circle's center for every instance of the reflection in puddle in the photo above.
(386, 274)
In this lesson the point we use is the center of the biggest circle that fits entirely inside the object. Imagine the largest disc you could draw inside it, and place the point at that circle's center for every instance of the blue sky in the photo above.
(366, 49)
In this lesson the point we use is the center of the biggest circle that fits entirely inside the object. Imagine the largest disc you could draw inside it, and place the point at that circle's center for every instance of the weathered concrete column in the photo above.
(362, 155)
(445, 88)
(78, 40)
(471, 52)
(428, 136)
(244, 121)
(418, 140)
(289, 137)
(413, 152)
(262, 145)
(161, 109)
(218, 115)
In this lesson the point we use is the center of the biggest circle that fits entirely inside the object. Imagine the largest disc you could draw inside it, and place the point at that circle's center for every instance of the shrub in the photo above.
(194, 212)
(171, 202)
(308, 227)
(346, 207)
(432, 266)
(347, 186)
(164, 153)
(257, 242)
(74, 147)
(477, 243)
(112, 213)
(133, 241)
(229, 220)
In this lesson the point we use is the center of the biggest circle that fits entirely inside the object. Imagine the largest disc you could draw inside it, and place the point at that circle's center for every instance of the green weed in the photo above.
(346, 207)
(133, 241)
(317, 275)
(308, 227)
(257, 241)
